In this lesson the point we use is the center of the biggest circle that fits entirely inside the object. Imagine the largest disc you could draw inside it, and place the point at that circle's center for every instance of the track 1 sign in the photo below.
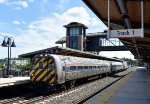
(126, 33)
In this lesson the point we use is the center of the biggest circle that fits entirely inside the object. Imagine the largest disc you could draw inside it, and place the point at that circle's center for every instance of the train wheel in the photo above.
(61, 87)
(100, 76)
(72, 84)
(50, 88)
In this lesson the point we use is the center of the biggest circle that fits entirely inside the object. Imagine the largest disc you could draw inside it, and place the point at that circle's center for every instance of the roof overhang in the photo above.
(67, 51)
(126, 14)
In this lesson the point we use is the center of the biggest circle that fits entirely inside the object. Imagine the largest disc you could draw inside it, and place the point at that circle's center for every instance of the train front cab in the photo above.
(43, 69)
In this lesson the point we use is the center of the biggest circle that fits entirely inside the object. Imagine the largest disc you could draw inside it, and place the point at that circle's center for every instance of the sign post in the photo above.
(108, 32)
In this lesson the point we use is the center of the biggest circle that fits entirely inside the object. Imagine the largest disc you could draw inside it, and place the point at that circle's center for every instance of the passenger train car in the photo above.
(58, 69)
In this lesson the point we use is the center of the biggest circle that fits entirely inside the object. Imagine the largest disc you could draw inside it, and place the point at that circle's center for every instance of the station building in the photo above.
(77, 38)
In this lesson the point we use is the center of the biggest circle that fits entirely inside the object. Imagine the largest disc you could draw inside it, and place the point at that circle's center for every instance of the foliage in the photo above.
(2, 66)
(129, 61)
(22, 67)
(27, 67)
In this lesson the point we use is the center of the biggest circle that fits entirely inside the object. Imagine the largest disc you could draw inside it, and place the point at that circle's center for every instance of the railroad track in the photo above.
(70, 96)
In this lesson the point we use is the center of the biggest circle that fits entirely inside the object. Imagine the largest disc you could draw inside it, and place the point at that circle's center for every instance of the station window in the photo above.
(74, 31)
(73, 44)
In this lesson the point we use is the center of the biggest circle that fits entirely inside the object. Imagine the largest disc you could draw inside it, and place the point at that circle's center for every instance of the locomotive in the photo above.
(50, 69)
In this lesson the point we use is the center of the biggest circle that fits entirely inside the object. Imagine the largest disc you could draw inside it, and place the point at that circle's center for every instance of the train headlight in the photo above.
(31, 74)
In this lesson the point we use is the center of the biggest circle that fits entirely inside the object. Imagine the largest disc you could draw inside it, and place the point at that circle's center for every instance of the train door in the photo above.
(39, 69)
(51, 71)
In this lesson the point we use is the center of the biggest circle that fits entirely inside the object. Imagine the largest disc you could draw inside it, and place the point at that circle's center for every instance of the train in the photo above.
(57, 70)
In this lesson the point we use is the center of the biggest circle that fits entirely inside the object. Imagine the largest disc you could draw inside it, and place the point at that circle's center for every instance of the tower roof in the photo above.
(75, 24)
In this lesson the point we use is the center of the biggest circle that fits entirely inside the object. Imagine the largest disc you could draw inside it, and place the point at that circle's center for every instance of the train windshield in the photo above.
(39, 63)
(42, 63)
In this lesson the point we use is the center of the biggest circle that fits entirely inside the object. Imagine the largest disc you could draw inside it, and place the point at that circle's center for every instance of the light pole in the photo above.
(9, 44)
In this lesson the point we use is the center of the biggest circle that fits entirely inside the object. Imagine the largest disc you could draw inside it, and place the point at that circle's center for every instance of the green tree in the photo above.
(24, 67)
(27, 67)
(19, 66)
(2, 66)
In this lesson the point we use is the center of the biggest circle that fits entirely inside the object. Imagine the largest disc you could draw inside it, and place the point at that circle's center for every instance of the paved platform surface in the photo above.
(13, 81)
(135, 91)
(132, 89)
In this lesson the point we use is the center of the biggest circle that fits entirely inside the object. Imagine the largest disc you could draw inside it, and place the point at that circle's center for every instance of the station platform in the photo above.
(133, 89)
(5, 82)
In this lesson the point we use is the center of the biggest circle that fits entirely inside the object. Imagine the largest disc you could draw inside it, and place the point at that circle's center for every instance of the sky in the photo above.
(37, 24)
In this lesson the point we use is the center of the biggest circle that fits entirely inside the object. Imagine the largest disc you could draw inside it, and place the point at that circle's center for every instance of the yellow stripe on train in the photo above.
(44, 64)
(52, 80)
(31, 72)
(45, 79)
(51, 73)
(39, 78)
(36, 73)
(42, 59)
(49, 61)
(36, 66)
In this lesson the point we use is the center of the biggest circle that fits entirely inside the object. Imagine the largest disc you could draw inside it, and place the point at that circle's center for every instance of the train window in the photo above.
(80, 67)
(63, 68)
(51, 66)
(85, 67)
(99, 66)
(40, 65)
(67, 68)
(94, 67)
(33, 60)
(72, 67)
(32, 66)
(90, 67)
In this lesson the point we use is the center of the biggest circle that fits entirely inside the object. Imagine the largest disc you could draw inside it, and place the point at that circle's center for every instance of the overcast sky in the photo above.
(37, 24)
